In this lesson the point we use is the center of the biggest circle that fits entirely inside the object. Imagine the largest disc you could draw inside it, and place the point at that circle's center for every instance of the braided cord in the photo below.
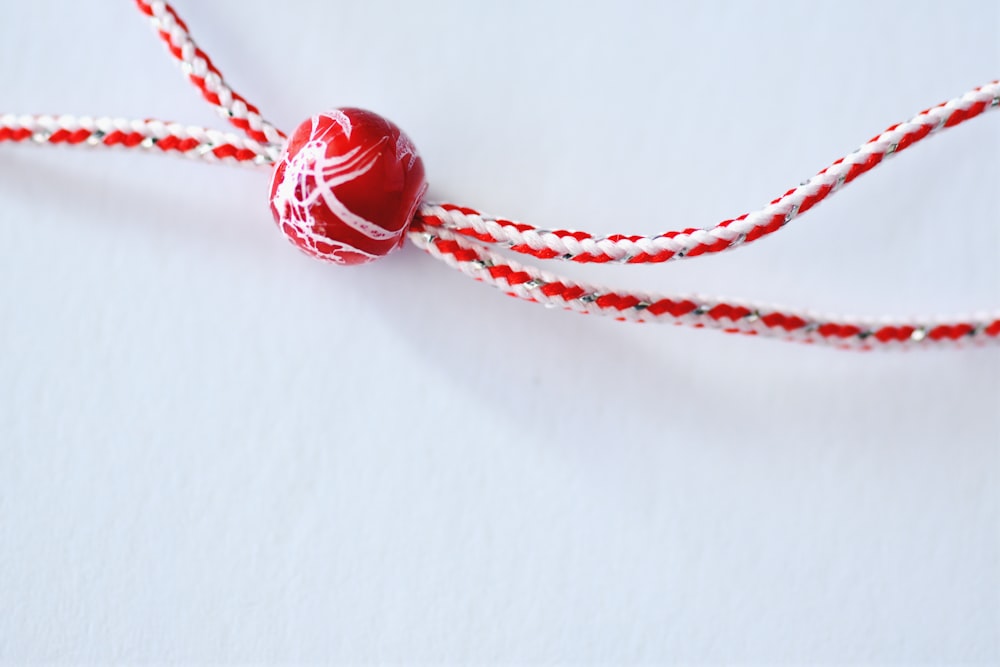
(261, 146)
(459, 236)
(532, 284)
(150, 135)
(583, 247)
(206, 76)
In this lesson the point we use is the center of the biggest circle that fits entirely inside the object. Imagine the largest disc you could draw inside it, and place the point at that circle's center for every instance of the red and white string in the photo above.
(205, 76)
(462, 237)
(582, 247)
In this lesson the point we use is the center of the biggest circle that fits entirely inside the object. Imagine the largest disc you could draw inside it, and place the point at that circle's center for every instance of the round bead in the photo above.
(347, 186)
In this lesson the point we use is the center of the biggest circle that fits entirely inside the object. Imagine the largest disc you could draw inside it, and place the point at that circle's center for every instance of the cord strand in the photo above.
(532, 284)
(578, 246)
(203, 73)
(150, 135)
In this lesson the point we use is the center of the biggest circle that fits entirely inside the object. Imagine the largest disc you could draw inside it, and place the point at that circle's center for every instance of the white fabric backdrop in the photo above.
(213, 448)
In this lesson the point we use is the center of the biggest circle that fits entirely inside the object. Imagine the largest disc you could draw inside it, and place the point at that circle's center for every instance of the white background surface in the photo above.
(213, 448)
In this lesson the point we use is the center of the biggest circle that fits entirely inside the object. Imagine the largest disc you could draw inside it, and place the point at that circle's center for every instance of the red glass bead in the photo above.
(347, 186)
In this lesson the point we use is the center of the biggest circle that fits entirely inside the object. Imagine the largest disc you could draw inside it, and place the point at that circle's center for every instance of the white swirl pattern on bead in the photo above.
(312, 174)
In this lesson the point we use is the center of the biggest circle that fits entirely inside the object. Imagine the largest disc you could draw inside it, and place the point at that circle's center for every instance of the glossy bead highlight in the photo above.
(347, 186)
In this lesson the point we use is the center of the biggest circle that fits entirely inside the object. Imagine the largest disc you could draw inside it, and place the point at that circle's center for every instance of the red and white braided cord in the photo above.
(152, 135)
(459, 236)
(580, 246)
(532, 284)
(206, 76)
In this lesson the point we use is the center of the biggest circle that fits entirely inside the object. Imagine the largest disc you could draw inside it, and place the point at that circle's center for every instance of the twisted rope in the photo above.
(206, 76)
(577, 246)
(532, 284)
(150, 135)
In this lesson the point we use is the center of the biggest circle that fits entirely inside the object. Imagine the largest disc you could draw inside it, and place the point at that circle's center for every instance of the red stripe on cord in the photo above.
(200, 82)
(915, 133)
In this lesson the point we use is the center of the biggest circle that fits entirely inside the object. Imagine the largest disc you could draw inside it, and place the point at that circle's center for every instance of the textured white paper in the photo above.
(215, 449)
